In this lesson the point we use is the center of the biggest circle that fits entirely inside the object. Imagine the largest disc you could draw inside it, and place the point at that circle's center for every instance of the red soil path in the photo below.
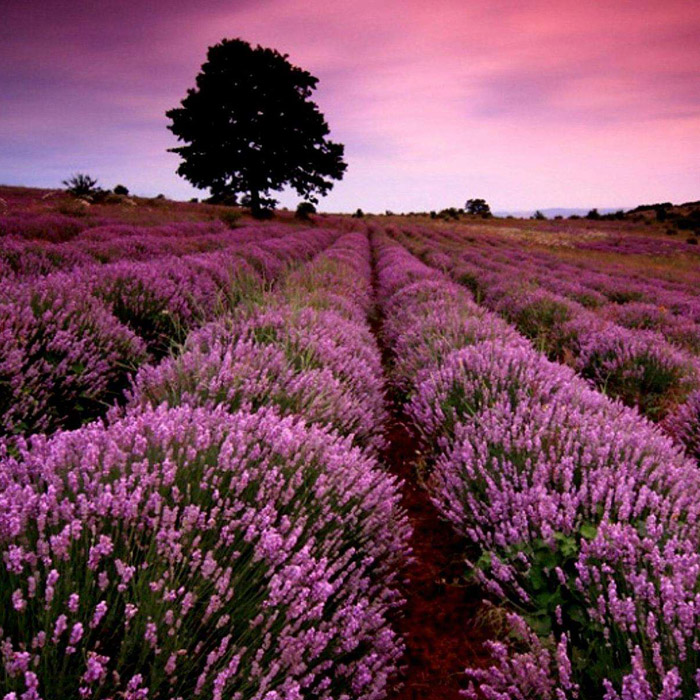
(439, 622)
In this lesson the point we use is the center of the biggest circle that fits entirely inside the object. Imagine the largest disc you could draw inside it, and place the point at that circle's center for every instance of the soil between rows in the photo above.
(439, 623)
(440, 618)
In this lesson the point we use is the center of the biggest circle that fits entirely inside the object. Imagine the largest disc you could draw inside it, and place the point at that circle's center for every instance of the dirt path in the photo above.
(439, 622)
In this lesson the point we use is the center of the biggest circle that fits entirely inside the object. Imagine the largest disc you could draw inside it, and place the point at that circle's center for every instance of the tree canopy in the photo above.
(478, 206)
(249, 127)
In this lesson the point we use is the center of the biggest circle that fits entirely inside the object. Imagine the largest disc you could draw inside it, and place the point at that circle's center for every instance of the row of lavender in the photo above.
(70, 340)
(579, 516)
(632, 299)
(228, 533)
(635, 351)
(31, 256)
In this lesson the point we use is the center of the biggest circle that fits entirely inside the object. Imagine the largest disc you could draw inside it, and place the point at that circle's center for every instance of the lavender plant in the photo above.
(190, 552)
(63, 356)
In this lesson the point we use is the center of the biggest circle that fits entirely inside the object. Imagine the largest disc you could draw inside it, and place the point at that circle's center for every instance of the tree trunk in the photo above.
(254, 202)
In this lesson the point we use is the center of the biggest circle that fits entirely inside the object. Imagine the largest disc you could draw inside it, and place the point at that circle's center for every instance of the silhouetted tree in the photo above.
(81, 185)
(120, 189)
(250, 127)
(593, 214)
(478, 207)
(539, 216)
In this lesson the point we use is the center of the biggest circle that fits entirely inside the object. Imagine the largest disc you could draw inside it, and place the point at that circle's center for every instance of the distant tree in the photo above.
(304, 210)
(81, 185)
(250, 127)
(478, 207)
(593, 214)
(359, 214)
(539, 216)
(120, 189)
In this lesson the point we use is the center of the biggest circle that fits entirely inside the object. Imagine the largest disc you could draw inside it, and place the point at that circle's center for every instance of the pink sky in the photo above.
(529, 103)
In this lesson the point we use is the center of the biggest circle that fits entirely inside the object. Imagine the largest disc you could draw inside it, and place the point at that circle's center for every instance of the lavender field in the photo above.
(345, 457)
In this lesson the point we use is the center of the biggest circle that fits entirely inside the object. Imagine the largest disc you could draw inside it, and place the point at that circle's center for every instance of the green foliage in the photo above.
(557, 606)
(542, 320)
(643, 379)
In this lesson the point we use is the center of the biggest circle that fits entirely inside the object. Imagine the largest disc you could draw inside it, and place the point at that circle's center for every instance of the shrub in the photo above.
(540, 316)
(264, 214)
(304, 210)
(318, 342)
(469, 380)
(359, 214)
(449, 213)
(77, 208)
(638, 367)
(122, 190)
(230, 218)
(185, 552)
(63, 356)
(107, 197)
(160, 300)
(81, 185)
(683, 424)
